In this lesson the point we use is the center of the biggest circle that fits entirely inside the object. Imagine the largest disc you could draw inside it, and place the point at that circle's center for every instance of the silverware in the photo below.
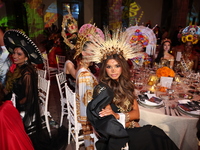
(173, 107)
(178, 112)
(169, 110)
(165, 108)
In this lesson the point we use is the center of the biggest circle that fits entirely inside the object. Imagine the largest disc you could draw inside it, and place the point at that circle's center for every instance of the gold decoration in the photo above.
(83, 37)
(68, 20)
(117, 44)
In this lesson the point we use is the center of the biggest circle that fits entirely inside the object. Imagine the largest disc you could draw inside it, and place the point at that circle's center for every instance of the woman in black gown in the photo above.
(114, 99)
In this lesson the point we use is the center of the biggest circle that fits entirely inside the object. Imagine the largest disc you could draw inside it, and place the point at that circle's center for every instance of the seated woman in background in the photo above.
(189, 61)
(70, 69)
(12, 133)
(164, 57)
(22, 79)
(114, 99)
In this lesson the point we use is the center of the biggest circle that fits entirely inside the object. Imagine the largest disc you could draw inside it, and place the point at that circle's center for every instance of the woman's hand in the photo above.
(108, 111)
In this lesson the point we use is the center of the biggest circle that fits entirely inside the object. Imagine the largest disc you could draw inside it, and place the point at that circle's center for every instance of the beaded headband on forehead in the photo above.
(166, 40)
(117, 44)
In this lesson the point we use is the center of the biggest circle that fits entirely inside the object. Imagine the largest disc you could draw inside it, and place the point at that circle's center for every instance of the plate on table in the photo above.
(150, 101)
(194, 92)
(188, 107)
(186, 96)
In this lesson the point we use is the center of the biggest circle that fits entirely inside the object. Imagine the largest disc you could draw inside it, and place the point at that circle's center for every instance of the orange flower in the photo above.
(163, 89)
(165, 72)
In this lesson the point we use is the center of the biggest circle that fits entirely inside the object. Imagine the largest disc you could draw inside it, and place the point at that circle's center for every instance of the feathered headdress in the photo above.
(115, 44)
(85, 33)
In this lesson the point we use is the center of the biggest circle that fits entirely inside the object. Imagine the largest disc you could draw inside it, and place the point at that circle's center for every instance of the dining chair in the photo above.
(74, 126)
(43, 90)
(61, 80)
(42, 73)
(60, 63)
(51, 71)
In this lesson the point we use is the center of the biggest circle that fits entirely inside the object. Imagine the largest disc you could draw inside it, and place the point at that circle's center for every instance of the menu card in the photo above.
(178, 56)
(166, 82)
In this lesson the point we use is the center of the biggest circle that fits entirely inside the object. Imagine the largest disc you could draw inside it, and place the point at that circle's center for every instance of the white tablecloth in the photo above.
(181, 129)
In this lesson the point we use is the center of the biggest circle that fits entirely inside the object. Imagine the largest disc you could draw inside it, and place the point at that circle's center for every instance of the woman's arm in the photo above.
(70, 69)
(171, 65)
(130, 116)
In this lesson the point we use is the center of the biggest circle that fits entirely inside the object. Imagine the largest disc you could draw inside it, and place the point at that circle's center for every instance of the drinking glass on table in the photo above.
(139, 84)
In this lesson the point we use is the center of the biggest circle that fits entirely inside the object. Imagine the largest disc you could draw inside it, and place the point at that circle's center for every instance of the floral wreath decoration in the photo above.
(144, 58)
(190, 33)
(143, 35)
(101, 49)
(139, 37)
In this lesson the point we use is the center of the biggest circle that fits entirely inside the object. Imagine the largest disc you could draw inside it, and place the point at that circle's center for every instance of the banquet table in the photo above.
(181, 129)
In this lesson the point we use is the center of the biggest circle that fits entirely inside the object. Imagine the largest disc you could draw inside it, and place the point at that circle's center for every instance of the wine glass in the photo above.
(139, 83)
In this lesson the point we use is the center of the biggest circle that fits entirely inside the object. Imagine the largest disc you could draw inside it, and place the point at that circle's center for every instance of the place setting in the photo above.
(189, 107)
(150, 100)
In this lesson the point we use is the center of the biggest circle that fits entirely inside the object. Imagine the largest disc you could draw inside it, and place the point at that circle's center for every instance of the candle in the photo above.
(152, 89)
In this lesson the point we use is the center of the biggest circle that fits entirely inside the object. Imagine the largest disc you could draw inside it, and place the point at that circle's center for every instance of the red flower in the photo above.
(12, 68)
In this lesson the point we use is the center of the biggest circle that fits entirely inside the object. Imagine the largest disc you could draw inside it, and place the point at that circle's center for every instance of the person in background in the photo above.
(114, 100)
(189, 61)
(21, 79)
(5, 61)
(70, 69)
(12, 132)
(85, 80)
(158, 34)
(85, 83)
(164, 58)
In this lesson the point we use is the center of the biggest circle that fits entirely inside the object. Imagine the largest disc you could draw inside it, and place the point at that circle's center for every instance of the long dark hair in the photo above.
(161, 52)
(123, 88)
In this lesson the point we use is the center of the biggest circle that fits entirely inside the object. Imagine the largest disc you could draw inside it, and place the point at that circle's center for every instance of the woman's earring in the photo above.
(25, 62)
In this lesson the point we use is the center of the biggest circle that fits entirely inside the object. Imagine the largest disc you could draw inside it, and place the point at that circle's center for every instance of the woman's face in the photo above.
(166, 46)
(19, 57)
(188, 47)
(113, 69)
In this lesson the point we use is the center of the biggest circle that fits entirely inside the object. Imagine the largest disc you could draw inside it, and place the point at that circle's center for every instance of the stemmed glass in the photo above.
(139, 83)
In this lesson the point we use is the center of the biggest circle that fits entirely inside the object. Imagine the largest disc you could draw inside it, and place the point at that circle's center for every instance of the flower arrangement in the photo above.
(165, 72)
(191, 38)
(143, 59)
(139, 37)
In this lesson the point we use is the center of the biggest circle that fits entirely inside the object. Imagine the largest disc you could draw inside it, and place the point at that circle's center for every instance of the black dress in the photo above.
(71, 82)
(26, 86)
(112, 134)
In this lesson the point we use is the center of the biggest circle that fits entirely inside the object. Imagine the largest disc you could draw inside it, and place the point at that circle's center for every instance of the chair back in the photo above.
(43, 90)
(51, 71)
(74, 126)
(61, 80)
(42, 73)
(60, 63)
